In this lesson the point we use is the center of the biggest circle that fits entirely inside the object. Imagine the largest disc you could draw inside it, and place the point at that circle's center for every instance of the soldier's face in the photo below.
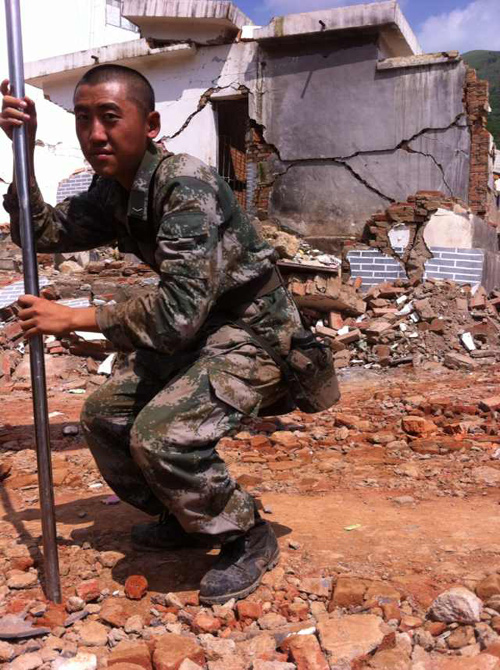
(113, 130)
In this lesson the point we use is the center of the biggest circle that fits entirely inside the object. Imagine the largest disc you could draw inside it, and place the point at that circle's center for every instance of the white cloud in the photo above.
(278, 7)
(476, 26)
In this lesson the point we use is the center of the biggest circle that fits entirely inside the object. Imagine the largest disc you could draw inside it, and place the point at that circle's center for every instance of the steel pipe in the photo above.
(30, 270)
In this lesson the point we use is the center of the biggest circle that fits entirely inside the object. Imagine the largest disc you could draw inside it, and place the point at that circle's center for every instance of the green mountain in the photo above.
(487, 64)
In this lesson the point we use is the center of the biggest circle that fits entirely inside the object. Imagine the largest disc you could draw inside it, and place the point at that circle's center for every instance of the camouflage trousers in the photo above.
(153, 428)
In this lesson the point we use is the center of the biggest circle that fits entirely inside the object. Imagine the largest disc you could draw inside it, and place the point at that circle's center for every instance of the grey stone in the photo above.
(23, 580)
(457, 605)
(134, 624)
(93, 634)
(74, 604)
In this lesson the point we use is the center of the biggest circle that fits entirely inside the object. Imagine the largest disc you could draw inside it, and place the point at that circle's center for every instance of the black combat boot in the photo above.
(167, 534)
(241, 565)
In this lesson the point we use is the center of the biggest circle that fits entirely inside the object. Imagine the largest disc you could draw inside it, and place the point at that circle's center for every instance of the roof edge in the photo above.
(36, 71)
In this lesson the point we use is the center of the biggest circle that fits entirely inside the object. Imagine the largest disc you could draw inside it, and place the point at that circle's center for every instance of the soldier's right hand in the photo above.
(16, 112)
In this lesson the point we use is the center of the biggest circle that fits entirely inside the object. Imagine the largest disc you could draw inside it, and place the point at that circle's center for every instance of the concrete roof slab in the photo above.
(419, 61)
(385, 16)
(197, 10)
(125, 53)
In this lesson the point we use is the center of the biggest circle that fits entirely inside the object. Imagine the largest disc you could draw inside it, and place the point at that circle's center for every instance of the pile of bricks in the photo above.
(406, 322)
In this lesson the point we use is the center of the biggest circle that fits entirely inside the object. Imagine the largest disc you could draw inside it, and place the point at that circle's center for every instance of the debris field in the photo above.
(385, 506)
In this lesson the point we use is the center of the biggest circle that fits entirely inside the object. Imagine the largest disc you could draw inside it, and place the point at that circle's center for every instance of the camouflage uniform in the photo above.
(185, 376)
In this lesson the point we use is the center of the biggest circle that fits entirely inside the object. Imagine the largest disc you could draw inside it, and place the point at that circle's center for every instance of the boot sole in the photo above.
(238, 595)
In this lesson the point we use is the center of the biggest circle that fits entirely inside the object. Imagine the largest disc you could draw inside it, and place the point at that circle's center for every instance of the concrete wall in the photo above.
(184, 82)
(355, 138)
(345, 138)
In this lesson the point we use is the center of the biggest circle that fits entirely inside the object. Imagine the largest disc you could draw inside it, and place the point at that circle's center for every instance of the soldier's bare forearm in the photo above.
(84, 318)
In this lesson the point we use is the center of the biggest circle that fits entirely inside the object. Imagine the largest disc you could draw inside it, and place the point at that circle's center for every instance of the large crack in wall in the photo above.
(404, 145)
(205, 98)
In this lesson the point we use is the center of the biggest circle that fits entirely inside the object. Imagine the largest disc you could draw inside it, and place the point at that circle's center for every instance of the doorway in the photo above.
(232, 127)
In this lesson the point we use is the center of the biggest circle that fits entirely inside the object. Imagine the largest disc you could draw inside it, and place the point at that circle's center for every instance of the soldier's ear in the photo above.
(153, 123)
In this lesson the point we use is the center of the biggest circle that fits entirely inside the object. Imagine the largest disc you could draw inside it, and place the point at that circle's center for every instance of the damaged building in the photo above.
(317, 120)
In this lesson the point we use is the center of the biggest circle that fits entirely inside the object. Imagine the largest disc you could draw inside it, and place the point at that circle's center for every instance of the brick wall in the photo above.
(464, 266)
(481, 197)
(259, 181)
(76, 183)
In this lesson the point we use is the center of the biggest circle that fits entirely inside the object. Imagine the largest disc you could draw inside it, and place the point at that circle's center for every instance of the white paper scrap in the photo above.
(89, 337)
(106, 365)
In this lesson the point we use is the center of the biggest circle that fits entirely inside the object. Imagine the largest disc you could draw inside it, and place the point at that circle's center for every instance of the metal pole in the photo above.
(30, 268)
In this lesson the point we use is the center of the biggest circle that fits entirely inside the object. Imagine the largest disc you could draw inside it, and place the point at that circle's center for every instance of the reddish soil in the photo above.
(443, 527)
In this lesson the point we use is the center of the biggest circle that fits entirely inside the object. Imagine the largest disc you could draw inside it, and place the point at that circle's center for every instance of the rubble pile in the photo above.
(411, 443)
(403, 322)
(428, 323)
(295, 250)
(73, 361)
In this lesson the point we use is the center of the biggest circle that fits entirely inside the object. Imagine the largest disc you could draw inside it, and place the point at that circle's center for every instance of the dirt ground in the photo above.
(399, 483)
(425, 518)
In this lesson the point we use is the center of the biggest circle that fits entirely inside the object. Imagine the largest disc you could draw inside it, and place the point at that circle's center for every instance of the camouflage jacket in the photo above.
(182, 219)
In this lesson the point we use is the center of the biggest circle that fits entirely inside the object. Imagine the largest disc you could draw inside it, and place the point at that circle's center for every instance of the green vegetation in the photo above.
(487, 64)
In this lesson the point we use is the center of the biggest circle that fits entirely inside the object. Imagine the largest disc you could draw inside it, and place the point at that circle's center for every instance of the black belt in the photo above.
(246, 294)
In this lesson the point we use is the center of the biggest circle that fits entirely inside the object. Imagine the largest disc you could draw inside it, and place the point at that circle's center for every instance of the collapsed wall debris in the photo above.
(417, 318)
(72, 362)
(414, 319)
(413, 323)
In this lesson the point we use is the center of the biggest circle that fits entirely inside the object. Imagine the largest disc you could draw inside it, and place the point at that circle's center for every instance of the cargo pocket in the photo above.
(234, 392)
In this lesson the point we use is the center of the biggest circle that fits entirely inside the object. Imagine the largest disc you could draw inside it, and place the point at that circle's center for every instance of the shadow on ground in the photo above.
(107, 528)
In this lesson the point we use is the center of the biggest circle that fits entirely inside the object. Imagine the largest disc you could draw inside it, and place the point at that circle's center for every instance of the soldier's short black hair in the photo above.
(139, 88)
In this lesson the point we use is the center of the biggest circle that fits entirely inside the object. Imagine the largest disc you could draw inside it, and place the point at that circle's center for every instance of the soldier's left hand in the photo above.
(41, 316)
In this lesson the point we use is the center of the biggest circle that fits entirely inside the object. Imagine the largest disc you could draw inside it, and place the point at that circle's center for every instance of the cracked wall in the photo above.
(184, 83)
(350, 139)
(427, 236)
(334, 136)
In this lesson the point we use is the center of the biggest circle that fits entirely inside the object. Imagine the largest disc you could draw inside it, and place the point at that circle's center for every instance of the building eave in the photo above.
(196, 10)
(385, 17)
(126, 53)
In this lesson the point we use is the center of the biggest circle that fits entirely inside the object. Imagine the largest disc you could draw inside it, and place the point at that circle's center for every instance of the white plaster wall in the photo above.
(179, 81)
(50, 28)
(399, 237)
(179, 85)
(449, 229)
(59, 156)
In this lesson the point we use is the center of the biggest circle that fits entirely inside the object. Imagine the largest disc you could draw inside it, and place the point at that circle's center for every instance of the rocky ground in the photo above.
(386, 509)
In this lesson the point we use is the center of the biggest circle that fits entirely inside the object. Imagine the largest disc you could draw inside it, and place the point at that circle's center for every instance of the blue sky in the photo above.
(439, 24)
(416, 11)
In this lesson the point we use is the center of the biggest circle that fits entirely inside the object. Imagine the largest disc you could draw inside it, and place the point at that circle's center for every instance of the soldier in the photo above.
(188, 369)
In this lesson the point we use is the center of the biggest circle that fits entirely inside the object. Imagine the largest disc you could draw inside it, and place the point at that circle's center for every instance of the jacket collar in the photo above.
(139, 195)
